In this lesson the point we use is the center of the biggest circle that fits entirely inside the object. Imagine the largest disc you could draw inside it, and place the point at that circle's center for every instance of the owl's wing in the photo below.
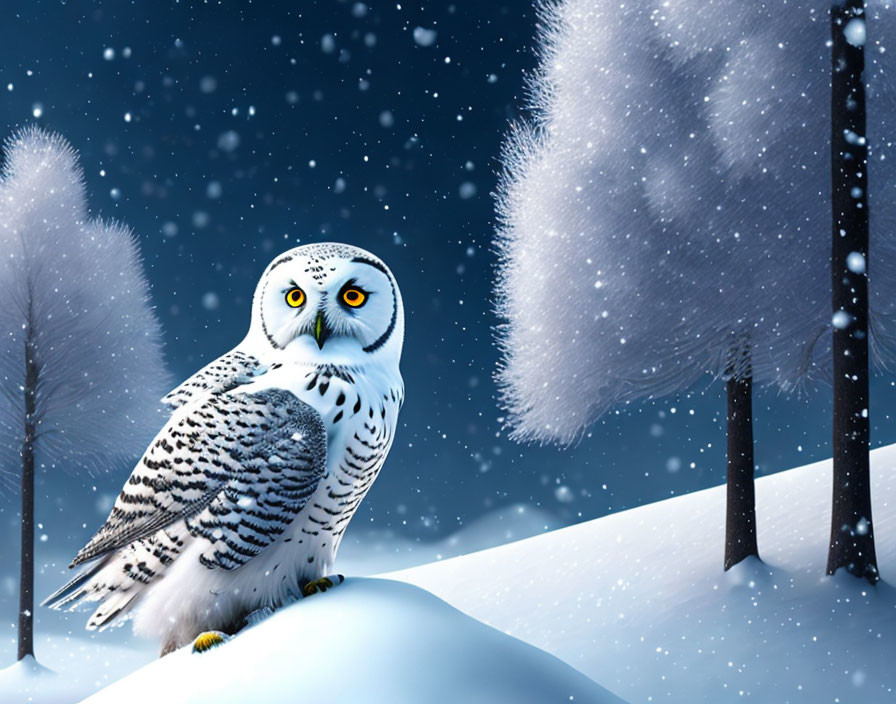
(223, 374)
(237, 468)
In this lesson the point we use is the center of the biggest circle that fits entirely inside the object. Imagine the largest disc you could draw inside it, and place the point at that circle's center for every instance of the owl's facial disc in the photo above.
(338, 306)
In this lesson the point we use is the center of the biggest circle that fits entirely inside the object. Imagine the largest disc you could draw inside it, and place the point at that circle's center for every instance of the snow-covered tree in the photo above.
(666, 214)
(81, 368)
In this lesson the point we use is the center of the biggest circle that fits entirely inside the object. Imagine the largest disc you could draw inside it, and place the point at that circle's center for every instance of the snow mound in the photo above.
(366, 641)
(26, 679)
(639, 602)
(79, 667)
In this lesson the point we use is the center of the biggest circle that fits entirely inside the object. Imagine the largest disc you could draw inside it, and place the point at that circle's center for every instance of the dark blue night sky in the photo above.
(224, 133)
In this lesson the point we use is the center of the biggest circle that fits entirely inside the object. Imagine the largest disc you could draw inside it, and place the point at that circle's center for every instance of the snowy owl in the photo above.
(240, 502)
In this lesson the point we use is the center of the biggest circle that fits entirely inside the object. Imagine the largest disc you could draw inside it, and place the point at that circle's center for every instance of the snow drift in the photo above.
(638, 602)
(81, 666)
(366, 641)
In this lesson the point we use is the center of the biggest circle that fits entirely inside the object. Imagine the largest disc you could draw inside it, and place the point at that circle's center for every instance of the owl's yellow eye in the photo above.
(353, 297)
(295, 297)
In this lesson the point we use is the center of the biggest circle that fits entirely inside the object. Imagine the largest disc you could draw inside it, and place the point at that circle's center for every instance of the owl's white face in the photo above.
(330, 303)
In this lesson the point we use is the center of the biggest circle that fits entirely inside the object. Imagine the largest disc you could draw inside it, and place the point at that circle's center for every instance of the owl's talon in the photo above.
(322, 584)
(208, 640)
(318, 585)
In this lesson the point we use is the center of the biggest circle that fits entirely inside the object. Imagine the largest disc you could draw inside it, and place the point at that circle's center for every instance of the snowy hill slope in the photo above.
(638, 600)
(364, 642)
(369, 552)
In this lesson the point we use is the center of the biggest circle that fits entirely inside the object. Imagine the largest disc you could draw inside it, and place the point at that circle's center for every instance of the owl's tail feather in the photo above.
(76, 589)
(105, 582)
(113, 606)
(118, 580)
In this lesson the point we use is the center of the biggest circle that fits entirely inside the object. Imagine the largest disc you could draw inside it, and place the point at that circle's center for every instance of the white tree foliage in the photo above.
(77, 287)
(669, 203)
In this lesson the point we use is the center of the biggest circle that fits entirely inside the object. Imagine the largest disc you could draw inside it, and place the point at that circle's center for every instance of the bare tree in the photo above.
(81, 369)
(852, 532)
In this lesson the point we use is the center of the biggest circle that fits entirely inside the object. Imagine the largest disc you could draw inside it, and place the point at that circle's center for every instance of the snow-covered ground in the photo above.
(638, 600)
(79, 667)
(79, 662)
(366, 641)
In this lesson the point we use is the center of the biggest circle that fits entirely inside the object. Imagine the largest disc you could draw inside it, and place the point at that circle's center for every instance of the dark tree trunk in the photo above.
(26, 582)
(740, 519)
(852, 535)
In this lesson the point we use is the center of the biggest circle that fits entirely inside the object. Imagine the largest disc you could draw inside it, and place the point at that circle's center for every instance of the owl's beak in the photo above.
(321, 331)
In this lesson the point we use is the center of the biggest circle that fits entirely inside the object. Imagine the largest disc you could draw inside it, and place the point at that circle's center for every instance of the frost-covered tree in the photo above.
(665, 214)
(81, 369)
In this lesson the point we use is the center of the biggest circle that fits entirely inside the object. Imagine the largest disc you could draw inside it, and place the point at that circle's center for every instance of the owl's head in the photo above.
(331, 303)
